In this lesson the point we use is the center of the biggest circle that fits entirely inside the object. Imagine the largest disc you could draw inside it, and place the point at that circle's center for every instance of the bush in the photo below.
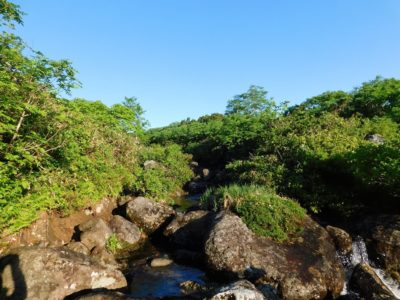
(113, 244)
(167, 174)
(263, 211)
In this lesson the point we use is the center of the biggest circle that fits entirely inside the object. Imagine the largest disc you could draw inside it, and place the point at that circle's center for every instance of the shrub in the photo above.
(263, 211)
(168, 173)
(113, 243)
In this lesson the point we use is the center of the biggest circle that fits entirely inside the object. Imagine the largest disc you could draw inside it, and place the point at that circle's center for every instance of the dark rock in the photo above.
(367, 283)
(148, 214)
(306, 268)
(383, 241)
(195, 187)
(106, 295)
(184, 256)
(190, 287)
(238, 290)
(194, 164)
(78, 247)
(188, 230)
(187, 234)
(341, 238)
(126, 231)
(53, 273)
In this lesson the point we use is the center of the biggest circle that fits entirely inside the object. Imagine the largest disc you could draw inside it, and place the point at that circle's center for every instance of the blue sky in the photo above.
(187, 58)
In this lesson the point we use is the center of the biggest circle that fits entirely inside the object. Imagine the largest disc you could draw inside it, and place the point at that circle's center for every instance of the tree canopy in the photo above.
(252, 102)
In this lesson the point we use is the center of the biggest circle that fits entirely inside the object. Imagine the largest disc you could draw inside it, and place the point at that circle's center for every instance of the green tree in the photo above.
(252, 102)
(9, 14)
(336, 101)
(377, 97)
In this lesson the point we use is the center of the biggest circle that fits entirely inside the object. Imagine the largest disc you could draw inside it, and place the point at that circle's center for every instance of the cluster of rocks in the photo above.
(204, 178)
(85, 263)
(306, 267)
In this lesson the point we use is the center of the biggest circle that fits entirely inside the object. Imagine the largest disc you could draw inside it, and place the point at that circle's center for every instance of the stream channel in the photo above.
(146, 281)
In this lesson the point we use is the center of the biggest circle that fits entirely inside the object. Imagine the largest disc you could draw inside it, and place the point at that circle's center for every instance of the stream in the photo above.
(146, 281)
(360, 255)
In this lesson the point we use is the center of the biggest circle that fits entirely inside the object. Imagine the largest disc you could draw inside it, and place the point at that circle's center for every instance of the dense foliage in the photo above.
(163, 170)
(215, 139)
(336, 152)
(59, 154)
(263, 211)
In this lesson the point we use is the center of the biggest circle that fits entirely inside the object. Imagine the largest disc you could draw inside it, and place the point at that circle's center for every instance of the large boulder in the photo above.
(229, 245)
(53, 273)
(305, 268)
(189, 230)
(342, 240)
(148, 214)
(187, 234)
(94, 233)
(126, 231)
(368, 285)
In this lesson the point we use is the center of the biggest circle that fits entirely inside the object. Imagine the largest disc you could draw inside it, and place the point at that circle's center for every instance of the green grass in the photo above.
(263, 211)
(113, 243)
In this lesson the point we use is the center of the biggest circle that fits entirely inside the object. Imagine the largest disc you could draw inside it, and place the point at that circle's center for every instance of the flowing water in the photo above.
(146, 281)
(360, 255)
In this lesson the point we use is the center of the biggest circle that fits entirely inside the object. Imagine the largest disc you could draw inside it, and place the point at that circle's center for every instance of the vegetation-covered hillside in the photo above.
(337, 152)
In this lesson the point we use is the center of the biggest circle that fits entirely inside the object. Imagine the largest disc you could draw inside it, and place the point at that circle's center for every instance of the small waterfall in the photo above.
(360, 255)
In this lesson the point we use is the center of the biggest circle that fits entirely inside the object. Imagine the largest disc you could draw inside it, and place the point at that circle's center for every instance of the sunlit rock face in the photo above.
(148, 214)
(53, 273)
(305, 268)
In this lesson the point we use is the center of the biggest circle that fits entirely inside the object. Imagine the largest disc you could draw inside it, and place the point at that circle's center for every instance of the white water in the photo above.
(360, 255)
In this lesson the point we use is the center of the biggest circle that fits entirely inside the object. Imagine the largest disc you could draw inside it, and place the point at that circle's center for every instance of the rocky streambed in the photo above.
(176, 254)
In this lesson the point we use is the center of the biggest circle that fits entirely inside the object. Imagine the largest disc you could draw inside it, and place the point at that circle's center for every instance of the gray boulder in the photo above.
(229, 245)
(94, 233)
(148, 214)
(53, 273)
(126, 231)
(305, 268)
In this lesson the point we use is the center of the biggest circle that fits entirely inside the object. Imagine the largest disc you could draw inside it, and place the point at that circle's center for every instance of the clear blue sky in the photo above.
(186, 58)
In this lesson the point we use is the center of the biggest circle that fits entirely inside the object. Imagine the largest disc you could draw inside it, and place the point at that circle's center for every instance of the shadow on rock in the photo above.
(12, 281)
